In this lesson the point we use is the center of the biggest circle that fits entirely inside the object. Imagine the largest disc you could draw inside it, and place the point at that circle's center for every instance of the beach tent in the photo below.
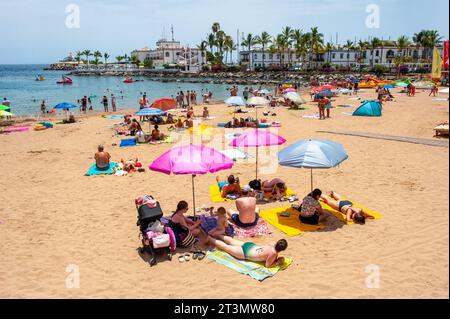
(369, 108)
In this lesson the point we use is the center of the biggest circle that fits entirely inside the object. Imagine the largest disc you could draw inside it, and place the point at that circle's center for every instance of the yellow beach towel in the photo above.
(291, 225)
(216, 195)
(343, 217)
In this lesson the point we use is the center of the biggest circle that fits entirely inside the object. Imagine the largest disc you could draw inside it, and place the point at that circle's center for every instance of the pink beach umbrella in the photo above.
(257, 138)
(290, 90)
(191, 160)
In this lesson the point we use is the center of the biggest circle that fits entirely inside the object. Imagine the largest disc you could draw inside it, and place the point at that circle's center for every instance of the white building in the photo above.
(172, 54)
(254, 59)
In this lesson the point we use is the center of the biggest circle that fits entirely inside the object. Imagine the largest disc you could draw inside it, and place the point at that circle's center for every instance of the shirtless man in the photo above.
(250, 251)
(231, 187)
(102, 159)
(247, 212)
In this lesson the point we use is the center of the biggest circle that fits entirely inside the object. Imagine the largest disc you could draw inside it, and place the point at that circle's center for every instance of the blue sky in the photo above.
(34, 31)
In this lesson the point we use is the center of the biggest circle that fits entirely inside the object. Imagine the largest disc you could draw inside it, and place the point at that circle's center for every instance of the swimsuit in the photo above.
(344, 203)
(246, 249)
(237, 221)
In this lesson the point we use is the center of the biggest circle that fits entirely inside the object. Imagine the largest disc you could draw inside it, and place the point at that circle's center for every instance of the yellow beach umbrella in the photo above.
(5, 113)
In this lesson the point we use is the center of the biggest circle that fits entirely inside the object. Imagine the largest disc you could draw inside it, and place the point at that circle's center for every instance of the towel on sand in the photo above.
(216, 196)
(291, 225)
(260, 229)
(255, 270)
(343, 217)
(128, 142)
(94, 171)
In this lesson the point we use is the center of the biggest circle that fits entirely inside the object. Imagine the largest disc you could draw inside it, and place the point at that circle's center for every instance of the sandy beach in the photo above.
(52, 216)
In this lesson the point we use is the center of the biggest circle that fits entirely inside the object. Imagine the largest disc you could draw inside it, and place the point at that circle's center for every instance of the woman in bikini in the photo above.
(183, 227)
(353, 214)
(252, 252)
(276, 187)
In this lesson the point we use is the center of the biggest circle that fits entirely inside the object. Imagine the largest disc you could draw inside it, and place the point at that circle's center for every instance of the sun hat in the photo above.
(247, 189)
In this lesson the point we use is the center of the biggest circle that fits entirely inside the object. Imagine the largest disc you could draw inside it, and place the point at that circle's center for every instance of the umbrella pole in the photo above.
(311, 180)
(193, 194)
(257, 156)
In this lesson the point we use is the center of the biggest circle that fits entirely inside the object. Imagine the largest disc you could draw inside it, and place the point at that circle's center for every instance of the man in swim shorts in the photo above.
(311, 212)
(102, 159)
(252, 252)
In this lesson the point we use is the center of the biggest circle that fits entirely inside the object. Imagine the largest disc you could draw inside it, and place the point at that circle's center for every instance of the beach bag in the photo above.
(173, 239)
(255, 184)
(186, 239)
(161, 241)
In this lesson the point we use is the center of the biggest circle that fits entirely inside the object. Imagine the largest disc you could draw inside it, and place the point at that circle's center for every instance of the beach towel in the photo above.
(210, 222)
(291, 225)
(346, 105)
(15, 129)
(315, 116)
(128, 142)
(354, 99)
(93, 170)
(343, 217)
(114, 117)
(167, 140)
(260, 229)
(216, 195)
(297, 108)
(255, 270)
(440, 99)
(348, 113)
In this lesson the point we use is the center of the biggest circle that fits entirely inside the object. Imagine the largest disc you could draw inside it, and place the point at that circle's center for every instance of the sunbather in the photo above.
(231, 187)
(205, 113)
(157, 135)
(252, 252)
(353, 214)
(102, 159)
(247, 212)
(184, 227)
(222, 223)
(170, 119)
(276, 187)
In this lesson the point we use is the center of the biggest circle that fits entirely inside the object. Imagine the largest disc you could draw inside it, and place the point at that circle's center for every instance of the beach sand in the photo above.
(52, 216)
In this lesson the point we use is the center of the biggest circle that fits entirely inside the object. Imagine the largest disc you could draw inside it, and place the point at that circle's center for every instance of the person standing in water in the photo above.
(113, 102)
(105, 103)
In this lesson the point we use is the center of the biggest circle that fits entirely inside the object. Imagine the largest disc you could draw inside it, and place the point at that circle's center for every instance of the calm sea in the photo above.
(17, 83)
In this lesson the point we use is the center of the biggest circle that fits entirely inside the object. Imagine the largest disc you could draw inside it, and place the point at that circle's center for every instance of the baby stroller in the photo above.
(149, 216)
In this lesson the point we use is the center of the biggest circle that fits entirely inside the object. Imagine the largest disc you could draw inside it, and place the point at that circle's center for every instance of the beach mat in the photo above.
(343, 217)
(440, 100)
(260, 229)
(255, 270)
(216, 196)
(93, 170)
(128, 142)
(291, 225)
(114, 117)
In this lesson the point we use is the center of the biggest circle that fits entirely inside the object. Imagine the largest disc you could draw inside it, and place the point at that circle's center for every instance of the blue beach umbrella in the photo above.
(150, 111)
(313, 154)
(235, 101)
(389, 86)
(402, 84)
(65, 105)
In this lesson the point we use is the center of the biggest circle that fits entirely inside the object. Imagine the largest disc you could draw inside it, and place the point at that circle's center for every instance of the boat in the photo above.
(65, 80)
(40, 78)
(131, 80)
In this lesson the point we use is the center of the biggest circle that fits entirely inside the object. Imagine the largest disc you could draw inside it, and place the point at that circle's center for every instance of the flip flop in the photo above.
(201, 255)
(181, 259)
(194, 255)
(187, 257)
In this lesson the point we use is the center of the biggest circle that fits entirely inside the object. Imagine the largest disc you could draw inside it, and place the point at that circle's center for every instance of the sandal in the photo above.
(187, 257)
(181, 259)
(201, 255)
(195, 255)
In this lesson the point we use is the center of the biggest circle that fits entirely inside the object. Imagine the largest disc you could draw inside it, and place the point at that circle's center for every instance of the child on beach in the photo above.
(205, 113)
(222, 223)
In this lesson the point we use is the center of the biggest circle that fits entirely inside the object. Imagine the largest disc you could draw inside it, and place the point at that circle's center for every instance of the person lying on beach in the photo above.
(276, 187)
(189, 123)
(311, 212)
(250, 251)
(247, 214)
(353, 214)
(127, 120)
(222, 223)
(141, 137)
(230, 187)
(102, 159)
(180, 124)
(205, 113)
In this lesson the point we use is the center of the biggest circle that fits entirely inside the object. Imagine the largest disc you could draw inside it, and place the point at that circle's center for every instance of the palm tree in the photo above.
(216, 27)
(228, 46)
(316, 41)
(202, 48)
(349, 46)
(87, 54)
(374, 43)
(402, 43)
(119, 58)
(78, 55)
(264, 39)
(281, 45)
(328, 48)
(106, 56)
(97, 56)
(288, 33)
(211, 41)
(249, 41)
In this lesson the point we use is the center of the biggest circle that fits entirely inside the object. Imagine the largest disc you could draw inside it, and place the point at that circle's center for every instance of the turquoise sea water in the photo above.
(17, 83)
